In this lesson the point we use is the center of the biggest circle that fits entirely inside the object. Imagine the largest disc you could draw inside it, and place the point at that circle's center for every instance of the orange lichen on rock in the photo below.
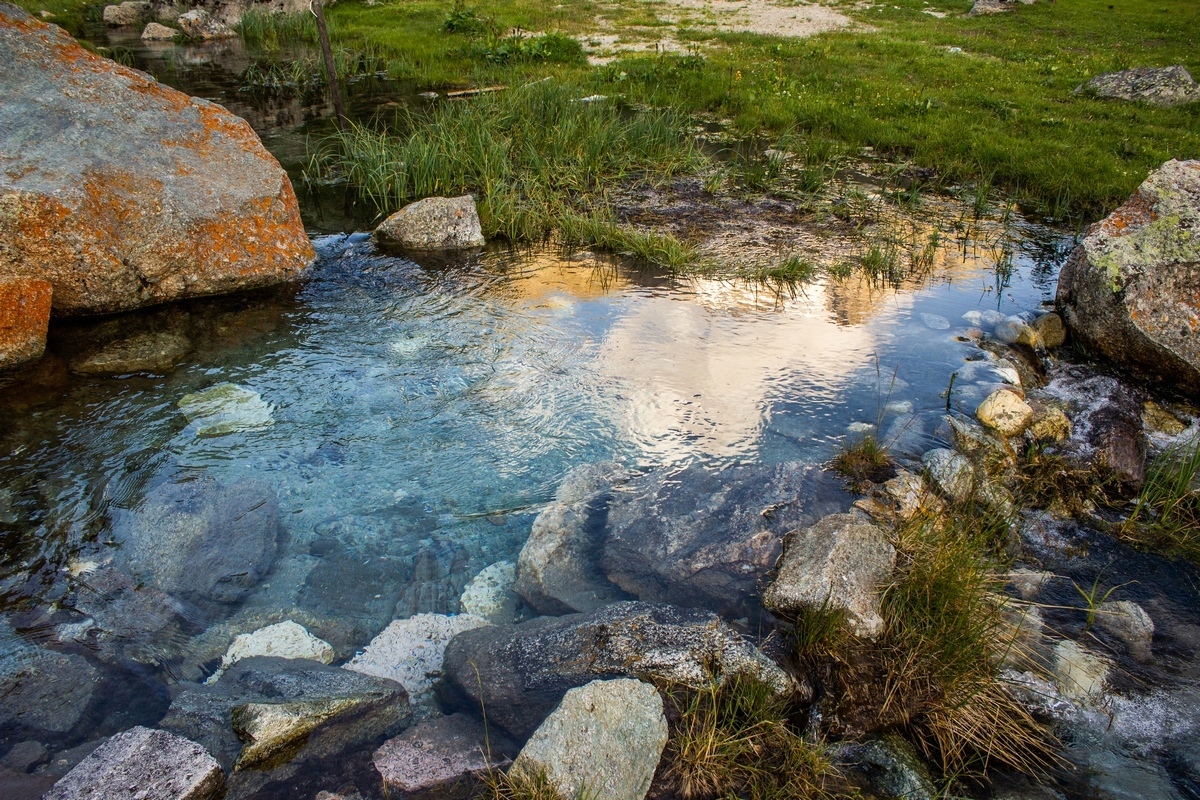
(1134, 213)
(24, 317)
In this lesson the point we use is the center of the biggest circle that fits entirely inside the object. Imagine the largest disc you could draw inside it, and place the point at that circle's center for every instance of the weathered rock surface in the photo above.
(229, 12)
(124, 193)
(558, 570)
(1015, 330)
(24, 319)
(201, 540)
(1005, 412)
(199, 24)
(226, 408)
(1130, 291)
(1160, 86)
(489, 595)
(1130, 623)
(130, 12)
(281, 640)
(892, 767)
(956, 478)
(266, 712)
(143, 764)
(441, 758)
(435, 223)
(410, 651)
(42, 690)
(605, 740)
(151, 351)
(706, 539)
(1050, 329)
(839, 564)
(520, 672)
(155, 32)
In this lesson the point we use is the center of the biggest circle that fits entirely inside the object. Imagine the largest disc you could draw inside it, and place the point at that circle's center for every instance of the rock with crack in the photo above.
(146, 764)
(840, 565)
(441, 758)
(604, 740)
(1129, 290)
(519, 673)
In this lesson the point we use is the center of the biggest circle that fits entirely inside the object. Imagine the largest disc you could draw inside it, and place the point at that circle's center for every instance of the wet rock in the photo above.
(891, 767)
(435, 223)
(1159, 86)
(489, 594)
(1015, 330)
(1050, 424)
(266, 712)
(1050, 329)
(201, 540)
(897, 499)
(281, 640)
(1028, 582)
(120, 617)
(1130, 623)
(42, 690)
(1158, 419)
(155, 32)
(24, 318)
(130, 12)
(146, 764)
(1128, 291)
(520, 672)
(441, 758)
(410, 651)
(1079, 673)
(951, 473)
(1118, 442)
(1005, 412)
(226, 408)
(24, 756)
(935, 322)
(604, 738)
(145, 352)
(199, 24)
(558, 570)
(707, 539)
(838, 564)
(111, 222)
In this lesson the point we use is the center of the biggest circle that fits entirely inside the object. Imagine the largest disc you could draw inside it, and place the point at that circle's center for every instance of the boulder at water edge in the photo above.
(124, 193)
(441, 758)
(1131, 289)
(24, 319)
(435, 223)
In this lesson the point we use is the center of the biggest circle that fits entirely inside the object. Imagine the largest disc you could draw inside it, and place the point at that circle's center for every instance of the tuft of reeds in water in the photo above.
(271, 30)
(522, 784)
(1166, 515)
(602, 232)
(863, 460)
(536, 158)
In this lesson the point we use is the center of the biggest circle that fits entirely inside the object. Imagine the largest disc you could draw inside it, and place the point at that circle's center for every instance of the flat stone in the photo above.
(935, 322)
(435, 223)
(1005, 412)
(440, 757)
(157, 352)
(1079, 673)
(605, 738)
(489, 594)
(24, 318)
(143, 764)
(226, 408)
(154, 32)
(281, 640)
(1159, 86)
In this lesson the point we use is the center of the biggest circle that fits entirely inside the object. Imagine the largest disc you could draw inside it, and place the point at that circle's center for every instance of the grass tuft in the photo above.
(864, 460)
(522, 784)
(271, 30)
(603, 233)
(1166, 515)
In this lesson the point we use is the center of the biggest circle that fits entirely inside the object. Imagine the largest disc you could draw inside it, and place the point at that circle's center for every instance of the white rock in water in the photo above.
(899, 407)
(489, 594)
(1008, 374)
(992, 318)
(435, 223)
(410, 651)
(154, 32)
(281, 640)
(226, 408)
(935, 321)
(1080, 673)
(604, 740)
(1005, 412)
(974, 317)
(1130, 623)
(860, 427)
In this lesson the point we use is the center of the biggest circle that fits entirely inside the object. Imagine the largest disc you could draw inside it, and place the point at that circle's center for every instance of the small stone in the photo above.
(226, 408)
(410, 651)
(991, 318)
(439, 756)
(891, 767)
(605, 739)
(428, 95)
(935, 322)
(1003, 411)
(1015, 330)
(1130, 623)
(1160, 420)
(155, 32)
(974, 317)
(156, 765)
(24, 756)
(24, 320)
(199, 24)
(1050, 329)
(435, 223)
(1050, 424)
(1079, 672)
(899, 407)
(282, 640)
(973, 334)
(951, 473)
(489, 594)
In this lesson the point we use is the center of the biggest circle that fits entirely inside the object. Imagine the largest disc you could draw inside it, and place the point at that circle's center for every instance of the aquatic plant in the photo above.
(862, 460)
(1166, 514)
(734, 738)
(1095, 596)
(270, 30)
(601, 232)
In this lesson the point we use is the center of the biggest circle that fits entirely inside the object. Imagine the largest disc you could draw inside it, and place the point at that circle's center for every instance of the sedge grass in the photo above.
(1166, 515)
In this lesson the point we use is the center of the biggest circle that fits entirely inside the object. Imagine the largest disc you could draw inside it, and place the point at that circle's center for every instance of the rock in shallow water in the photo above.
(435, 223)
(489, 594)
(518, 673)
(42, 690)
(604, 740)
(441, 758)
(143, 764)
(226, 408)
(281, 640)
(1005, 412)
(124, 193)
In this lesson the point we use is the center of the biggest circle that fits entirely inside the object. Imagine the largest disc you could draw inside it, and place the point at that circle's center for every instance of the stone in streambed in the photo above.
(199, 24)
(604, 739)
(1050, 329)
(1015, 330)
(124, 193)
(1005, 412)
(489, 594)
(441, 758)
(130, 12)
(435, 223)
(24, 319)
(1128, 622)
(144, 764)
(42, 690)
(155, 32)
(281, 640)
(150, 351)
(226, 408)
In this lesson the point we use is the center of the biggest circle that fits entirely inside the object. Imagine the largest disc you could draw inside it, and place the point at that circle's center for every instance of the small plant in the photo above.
(604, 233)
(864, 460)
(467, 22)
(553, 48)
(1166, 515)
(1095, 598)
(522, 784)
(1052, 481)
(881, 264)
(793, 269)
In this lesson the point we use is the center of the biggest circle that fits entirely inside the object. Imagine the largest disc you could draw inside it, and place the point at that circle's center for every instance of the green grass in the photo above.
(270, 31)
(863, 460)
(1166, 515)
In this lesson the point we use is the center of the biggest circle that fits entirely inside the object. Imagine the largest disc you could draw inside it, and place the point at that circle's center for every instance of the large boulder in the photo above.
(435, 223)
(144, 764)
(519, 673)
(1159, 86)
(199, 24)
(24, 319)
(707, 539)
(604, 740)
(203, 541)
(124, 193)
(1130, 291)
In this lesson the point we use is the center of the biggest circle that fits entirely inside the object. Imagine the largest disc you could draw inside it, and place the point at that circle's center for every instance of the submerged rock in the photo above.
(201, 540)
(839, 565)
(708, 539)
(435, 223)
(144, 764)
(441, 758)
(1159, 86)
(489, 594)
(605, 739)
(124, 193)
(519, 673)
(24, 319)
(410, 651)
(1129, 623)
(1079, 673)
(226, 408)
(42, 690)
(151, 351)
(281, 640)
(1129, 289)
